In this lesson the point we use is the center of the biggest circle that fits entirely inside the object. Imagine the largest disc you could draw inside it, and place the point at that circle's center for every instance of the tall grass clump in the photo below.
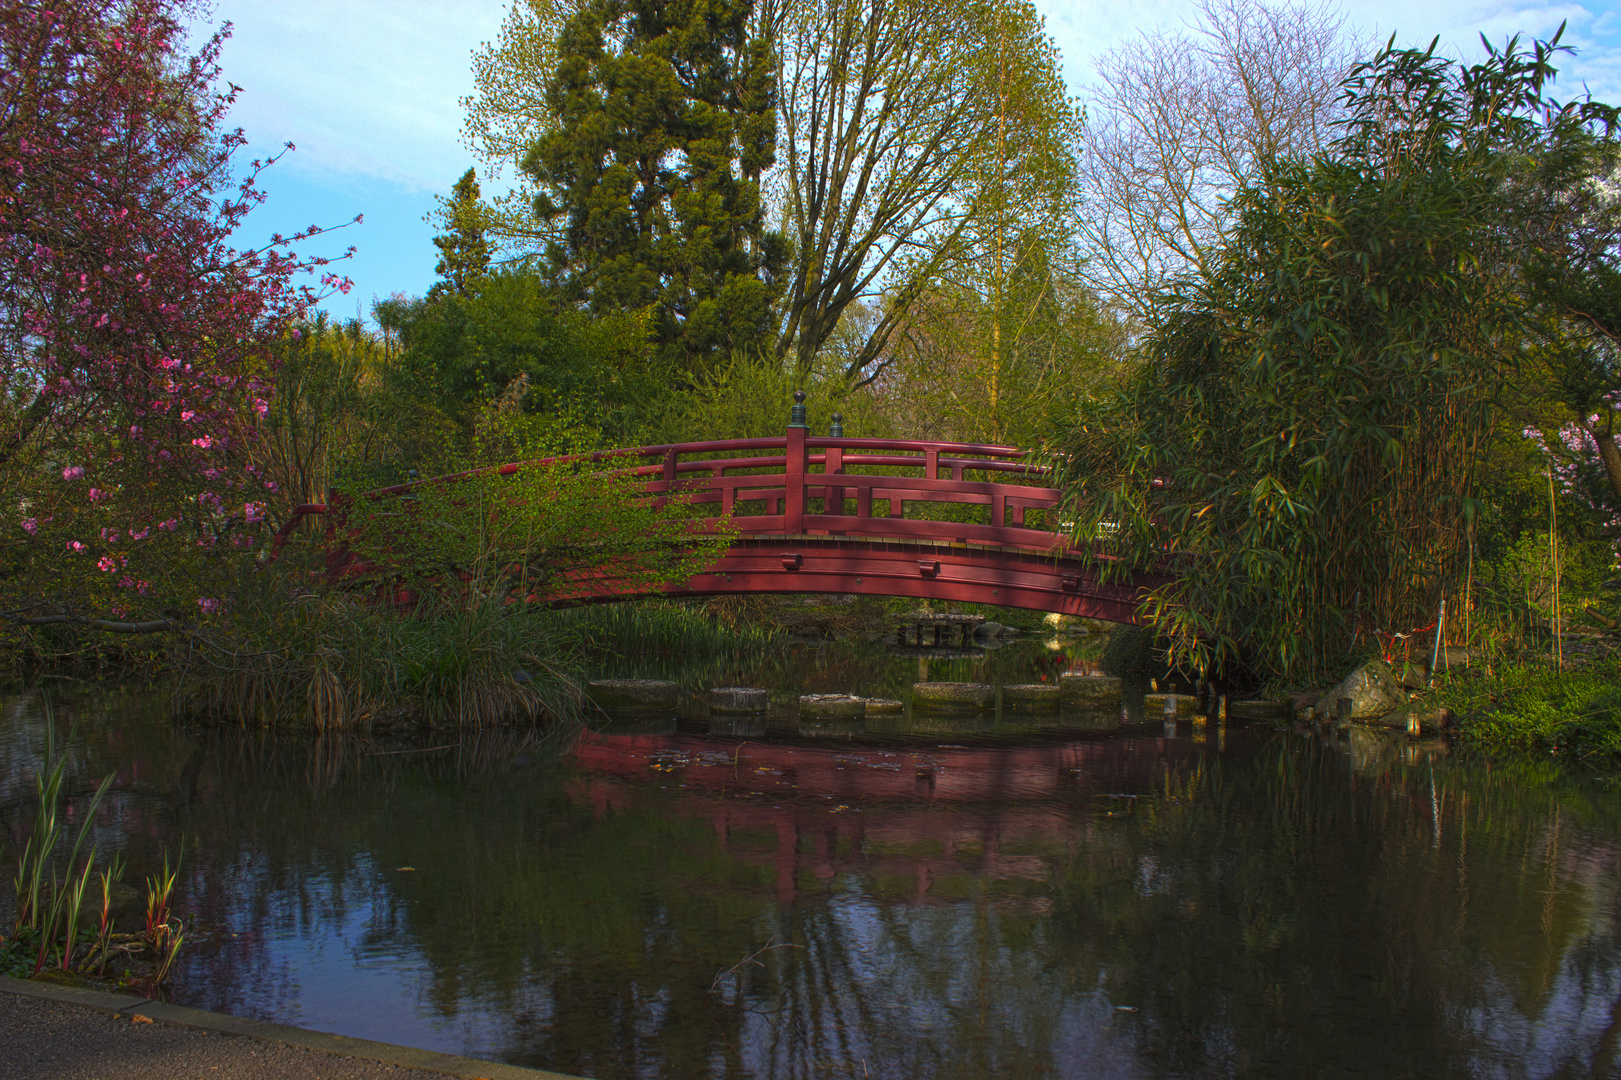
(336, 660)
(673, 629)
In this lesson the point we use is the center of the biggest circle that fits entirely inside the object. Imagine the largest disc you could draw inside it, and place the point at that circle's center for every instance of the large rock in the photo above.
(1373, 691)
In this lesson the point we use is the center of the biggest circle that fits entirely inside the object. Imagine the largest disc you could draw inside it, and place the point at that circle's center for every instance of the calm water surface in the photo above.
(1060, 896)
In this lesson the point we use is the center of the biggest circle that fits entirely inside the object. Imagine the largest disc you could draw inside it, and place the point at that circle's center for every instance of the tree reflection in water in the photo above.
(1261, 905)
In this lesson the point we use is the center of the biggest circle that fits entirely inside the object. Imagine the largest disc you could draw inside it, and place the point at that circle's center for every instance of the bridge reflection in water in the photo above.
(951, 818)
(897, 906)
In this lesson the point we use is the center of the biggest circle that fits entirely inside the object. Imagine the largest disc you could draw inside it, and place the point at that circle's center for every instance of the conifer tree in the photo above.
(665, 119)
(464, 255)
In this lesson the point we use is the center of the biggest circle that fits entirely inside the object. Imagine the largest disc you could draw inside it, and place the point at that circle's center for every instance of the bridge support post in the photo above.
(793, 481)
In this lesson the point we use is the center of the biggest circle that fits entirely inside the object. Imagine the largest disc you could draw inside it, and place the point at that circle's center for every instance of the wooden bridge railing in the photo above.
(800, 484)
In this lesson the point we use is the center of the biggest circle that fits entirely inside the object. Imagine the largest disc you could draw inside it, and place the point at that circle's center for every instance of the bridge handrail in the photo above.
(705, 480)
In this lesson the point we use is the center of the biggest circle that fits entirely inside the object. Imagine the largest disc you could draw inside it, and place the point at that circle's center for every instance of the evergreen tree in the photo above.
(665, 120)
(464, 255)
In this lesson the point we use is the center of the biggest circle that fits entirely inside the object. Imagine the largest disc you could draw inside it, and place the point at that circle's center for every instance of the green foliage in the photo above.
(1533, 706)
(551, 529)
(1130, 652)
(323, 416)
(671, 629)
(665, 119)
(1304, 433)
(335, 661)
(461, 352)
(464, 255)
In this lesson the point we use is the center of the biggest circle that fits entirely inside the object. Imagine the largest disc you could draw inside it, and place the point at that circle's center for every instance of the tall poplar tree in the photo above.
(665, 118)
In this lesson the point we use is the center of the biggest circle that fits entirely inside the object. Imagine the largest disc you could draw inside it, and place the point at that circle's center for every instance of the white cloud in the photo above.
(363, 87)
(371, 89)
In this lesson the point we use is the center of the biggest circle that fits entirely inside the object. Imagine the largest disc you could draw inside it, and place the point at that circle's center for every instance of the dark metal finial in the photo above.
(796, 418)
(835, 430)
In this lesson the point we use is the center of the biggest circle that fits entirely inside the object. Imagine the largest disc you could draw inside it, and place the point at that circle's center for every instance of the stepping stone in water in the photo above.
(738, 699)
(831, 707)
(953, 695)
(644, 694)
(1256, 710)
(883, 706)
(1090, 689)
(1031, 696)
(1154, 705)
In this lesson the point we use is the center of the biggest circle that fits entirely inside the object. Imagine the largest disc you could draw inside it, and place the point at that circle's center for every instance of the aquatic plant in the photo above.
(163, 933)
(338, 661)
(666, 627)
(48, 911)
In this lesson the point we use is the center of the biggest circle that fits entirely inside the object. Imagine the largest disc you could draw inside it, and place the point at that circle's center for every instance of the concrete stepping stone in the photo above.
(883, 706)
(738, 699)
(1257, 710)
(1032, 696)
(1090, 689)
(1156, 705)
(953, 695)
(644, 694)
(831, 707)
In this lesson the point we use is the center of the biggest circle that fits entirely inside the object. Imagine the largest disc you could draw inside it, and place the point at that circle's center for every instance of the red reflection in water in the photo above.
(925, 811)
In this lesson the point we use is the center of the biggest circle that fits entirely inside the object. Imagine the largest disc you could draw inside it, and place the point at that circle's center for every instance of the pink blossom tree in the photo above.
(133, 335)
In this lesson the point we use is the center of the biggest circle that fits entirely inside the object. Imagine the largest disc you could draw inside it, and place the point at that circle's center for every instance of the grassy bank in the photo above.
(1530, 705)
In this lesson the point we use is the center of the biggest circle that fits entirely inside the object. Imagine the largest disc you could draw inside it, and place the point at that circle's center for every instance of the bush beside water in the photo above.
(1532, 706)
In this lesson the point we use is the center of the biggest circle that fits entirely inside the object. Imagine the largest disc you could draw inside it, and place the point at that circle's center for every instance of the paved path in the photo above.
(50, 1033)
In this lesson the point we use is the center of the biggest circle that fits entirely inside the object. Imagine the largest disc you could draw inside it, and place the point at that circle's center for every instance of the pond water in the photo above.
(951, 897)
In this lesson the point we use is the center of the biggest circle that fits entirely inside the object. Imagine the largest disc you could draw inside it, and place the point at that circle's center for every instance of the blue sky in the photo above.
(370, 92)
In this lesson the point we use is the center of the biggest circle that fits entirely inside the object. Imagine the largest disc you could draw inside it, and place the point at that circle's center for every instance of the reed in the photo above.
(47, 910)
(669, 628)
(164, 932)
(336, 661)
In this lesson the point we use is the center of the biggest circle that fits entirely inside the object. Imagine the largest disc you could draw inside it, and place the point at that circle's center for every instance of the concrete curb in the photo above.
(264, 1031)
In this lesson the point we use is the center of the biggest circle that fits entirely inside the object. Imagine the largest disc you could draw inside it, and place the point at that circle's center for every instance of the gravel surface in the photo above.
(48, 1040)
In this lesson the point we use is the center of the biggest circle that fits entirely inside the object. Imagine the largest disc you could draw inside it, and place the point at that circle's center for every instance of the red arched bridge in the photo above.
(883, 517)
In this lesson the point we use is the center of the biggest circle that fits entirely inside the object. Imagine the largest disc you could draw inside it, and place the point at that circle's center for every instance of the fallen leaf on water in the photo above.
(137, 1018)
(404, 869)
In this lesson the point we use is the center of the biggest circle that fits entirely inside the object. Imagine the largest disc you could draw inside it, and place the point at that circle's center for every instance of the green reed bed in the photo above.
(65, 925)
(338, 661)
(667, 628)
